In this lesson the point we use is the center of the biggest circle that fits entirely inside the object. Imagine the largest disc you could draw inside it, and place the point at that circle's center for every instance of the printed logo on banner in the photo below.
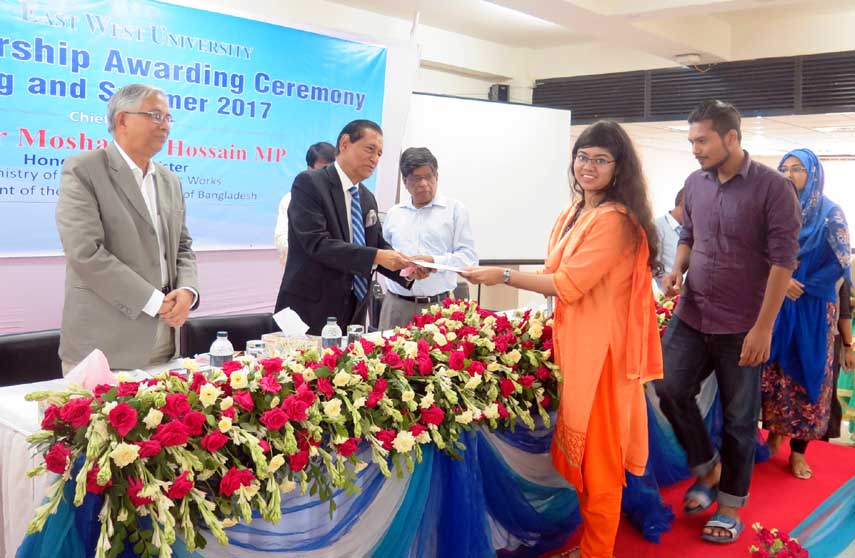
(248, 99)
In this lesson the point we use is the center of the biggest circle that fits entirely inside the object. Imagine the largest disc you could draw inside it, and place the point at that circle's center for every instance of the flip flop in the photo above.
(701, 493)
(720, 521)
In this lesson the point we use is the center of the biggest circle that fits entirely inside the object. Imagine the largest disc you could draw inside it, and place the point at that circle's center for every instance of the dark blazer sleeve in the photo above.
(308, 217)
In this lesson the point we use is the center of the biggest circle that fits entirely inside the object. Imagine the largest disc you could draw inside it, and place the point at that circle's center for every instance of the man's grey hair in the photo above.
(128, 99)
(415, 157)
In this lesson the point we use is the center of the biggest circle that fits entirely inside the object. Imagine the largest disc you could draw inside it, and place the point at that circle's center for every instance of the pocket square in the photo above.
(371, 218)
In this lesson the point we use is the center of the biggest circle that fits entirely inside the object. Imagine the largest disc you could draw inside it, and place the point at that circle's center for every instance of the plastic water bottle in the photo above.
(222, 350)
(331, 334)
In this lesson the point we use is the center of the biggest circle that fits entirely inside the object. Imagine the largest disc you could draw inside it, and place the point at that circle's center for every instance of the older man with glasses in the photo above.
(130, 270)
(426, 223)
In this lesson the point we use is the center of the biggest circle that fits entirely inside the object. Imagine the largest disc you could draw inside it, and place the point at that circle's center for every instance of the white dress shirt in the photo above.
(669, 236)
(346, 184)
(146, 182)
(440, 229)
(280, 234)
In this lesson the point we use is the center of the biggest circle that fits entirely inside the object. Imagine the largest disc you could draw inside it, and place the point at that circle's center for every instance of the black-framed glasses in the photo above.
(793, 169)
(415, 178)
(597, 161)
(155, 115)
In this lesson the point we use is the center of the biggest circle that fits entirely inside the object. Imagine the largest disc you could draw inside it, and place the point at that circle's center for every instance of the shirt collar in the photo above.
(438, 200)
(346, 184)
(130, 162)
(742, 171)
(671, 221)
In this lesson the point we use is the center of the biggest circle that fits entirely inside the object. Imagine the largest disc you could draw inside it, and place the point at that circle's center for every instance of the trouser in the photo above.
(603, 474)
(161, 352)
(397, 312)
(689, 356)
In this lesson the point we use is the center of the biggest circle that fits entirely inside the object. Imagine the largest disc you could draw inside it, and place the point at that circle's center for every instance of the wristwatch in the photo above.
(506, 276)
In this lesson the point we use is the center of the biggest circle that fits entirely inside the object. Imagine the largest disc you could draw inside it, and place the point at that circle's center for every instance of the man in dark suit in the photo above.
(335, 240)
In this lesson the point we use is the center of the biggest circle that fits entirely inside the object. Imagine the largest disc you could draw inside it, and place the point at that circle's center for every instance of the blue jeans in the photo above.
(689, 357)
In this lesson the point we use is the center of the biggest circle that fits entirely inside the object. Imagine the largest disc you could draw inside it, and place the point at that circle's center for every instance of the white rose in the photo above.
(190, 365)
(309, 375)
(153, 418)
(359, 403)
(440, 339)
(208, 394)
(423, 438)
(358, 350)
(464, 418)
(226, 403)
(125, 454)
(535, 330)
(515, 356)
(124, 376)
(408, 395)
(473, 382)
(411, 349)
(493, 366)
(491, 411)
(430, 328)
(275, 462)
(427, 400)
(109, 407)
(451, 336)
(403, 442)
(341, 379)
(238, 379)
(225, 424)
(332, 409)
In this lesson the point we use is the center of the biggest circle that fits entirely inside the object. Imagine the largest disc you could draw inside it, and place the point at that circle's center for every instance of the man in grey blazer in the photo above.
(130, 270)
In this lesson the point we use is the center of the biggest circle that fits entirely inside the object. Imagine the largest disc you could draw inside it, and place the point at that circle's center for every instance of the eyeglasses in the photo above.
(794, 169)
(597, 162)
(415, 178)
(156, 116)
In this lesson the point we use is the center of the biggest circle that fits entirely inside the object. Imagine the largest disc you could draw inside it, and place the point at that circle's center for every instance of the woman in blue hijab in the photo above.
(797, 381)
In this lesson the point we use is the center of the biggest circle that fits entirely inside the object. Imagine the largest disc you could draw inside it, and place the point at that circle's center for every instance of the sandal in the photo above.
(701, 493)
(720, 521)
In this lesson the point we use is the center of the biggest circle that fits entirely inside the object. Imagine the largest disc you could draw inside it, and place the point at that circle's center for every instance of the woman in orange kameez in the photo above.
(602, 251)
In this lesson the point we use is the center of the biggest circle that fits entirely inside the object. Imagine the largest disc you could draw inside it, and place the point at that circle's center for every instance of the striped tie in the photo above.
(360, 283)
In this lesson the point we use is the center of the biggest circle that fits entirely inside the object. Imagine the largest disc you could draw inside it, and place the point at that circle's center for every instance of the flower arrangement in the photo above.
(211, 448)
(775, 544)
(664, 310)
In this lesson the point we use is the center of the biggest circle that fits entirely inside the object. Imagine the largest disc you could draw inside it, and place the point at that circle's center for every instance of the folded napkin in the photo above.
(92, 371)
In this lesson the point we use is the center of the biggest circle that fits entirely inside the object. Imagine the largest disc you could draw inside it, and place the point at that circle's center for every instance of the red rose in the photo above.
(547, 333)
(295, 408)
(527, 345)
(526, 381)
(423, 346)
(507, 387)
(393, 359)
(373, 399)
(51, 421)
(458, 316)
(362, 369)
(417, 429)
(171, 434)
(57, 458)
(546, 401)
(468, 348)
(543, 373)
(234, 479)
(386, 437)
(134, 487)
(231, 366)
(199, 380)
(306, 395)
(348, 447)
(176, 405)
(299, 460)
(476, 367)
(92, 485)
(548, 344)
(433, 415)
(243, 399)
(149, 448)
(230, 412)
(274, 419)
(269, 384)
(271, 365)
(466, 330)
(194, 421)
(367, 346)
(181, 486)
(330, 359)
(264, 445)
(409, 366)
(425, 364)
(77, 412)
(501, 344)
(503, 324)
(503, 412)
(214, 441)
(122, 418)
(380, 385)
(127, 389)
(325, 387)
(100, 390)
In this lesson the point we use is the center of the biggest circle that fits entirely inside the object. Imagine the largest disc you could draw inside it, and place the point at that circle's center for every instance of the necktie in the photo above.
(360, 283)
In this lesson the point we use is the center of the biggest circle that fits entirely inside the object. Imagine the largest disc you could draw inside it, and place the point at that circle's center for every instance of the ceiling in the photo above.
(825, 134)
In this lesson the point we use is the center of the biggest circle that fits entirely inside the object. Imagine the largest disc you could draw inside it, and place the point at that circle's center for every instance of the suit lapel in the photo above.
(337, 194)
(125, 182)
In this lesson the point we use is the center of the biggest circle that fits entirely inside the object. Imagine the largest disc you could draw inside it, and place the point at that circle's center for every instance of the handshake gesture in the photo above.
(396, 261)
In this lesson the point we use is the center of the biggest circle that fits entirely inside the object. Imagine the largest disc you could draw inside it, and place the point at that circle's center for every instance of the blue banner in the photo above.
(248, 99)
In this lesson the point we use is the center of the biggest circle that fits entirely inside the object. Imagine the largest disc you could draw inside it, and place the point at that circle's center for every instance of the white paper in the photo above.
(290, 323)
(438, 267)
